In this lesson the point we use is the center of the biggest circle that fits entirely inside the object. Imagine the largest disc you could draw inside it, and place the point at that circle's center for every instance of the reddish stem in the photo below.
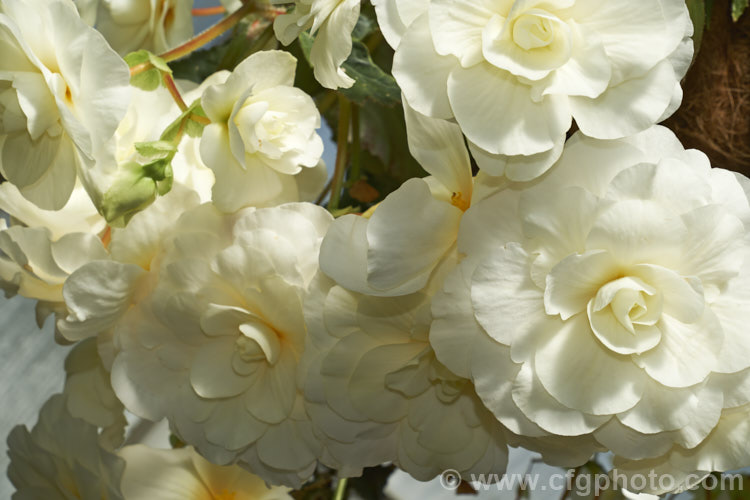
(172, 87)
(209, 11)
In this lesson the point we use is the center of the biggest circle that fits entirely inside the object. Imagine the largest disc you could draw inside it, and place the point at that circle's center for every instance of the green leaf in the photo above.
(183, 123)
(151, 78)
(365, 26)
(144, 56)
(738, 7)
(147, 80)
(371, 82)
(138, 57)
(156, 150)
(192, 127)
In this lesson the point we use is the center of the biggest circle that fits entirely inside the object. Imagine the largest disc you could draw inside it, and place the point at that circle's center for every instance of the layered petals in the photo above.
(513, 74)
(600, 315)
(215, 344)
(263, 133)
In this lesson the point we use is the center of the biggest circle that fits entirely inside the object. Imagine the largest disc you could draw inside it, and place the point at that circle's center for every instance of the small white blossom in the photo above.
(262, 133)
(332, 21)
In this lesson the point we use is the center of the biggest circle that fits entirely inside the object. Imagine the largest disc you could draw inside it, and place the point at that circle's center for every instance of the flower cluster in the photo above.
(567, 296)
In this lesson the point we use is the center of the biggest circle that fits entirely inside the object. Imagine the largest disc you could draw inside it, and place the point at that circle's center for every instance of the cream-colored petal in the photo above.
(422, 73)
(514, 125)
(438, 146)
(407, 236)
(580, 373)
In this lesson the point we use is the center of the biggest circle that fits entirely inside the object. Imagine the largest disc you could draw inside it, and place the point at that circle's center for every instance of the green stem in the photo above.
(355, 171)
(342, 143)
(322, 195)
(175, 92)
(340, 489)
(326, 102)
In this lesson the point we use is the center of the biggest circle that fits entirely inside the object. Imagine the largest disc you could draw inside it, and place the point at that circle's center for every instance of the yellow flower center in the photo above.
(224, 495)
(457, 200)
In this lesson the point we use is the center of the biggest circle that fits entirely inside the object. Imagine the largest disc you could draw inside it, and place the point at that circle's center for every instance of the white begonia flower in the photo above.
(63, 91)
(332, 21)
(99, 293)
(377, 392)
(394, 249)
(215, 347)
(189, 169)
(36, 265)
(61, 458)
(263, 133)
(43, 247)
(153, 25)
(609, 300)
(513, 73)
(182, 474)
(681, 469)
(88, 391)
